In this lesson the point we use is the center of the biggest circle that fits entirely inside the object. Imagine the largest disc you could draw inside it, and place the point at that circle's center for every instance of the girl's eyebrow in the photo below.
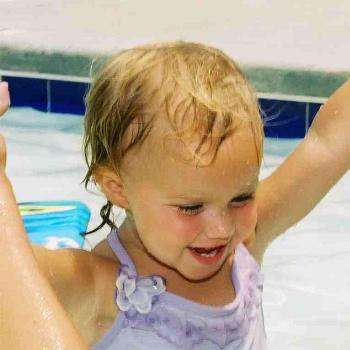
(250, 190)
(243, 195)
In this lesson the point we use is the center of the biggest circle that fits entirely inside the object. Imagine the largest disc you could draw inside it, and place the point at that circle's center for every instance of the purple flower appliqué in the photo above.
(137, 292)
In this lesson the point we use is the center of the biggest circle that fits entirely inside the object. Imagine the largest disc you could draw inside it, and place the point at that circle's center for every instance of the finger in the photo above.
(2, 153)
(4, 97)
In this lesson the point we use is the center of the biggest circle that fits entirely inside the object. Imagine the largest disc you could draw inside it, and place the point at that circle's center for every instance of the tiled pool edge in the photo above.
(285, 116)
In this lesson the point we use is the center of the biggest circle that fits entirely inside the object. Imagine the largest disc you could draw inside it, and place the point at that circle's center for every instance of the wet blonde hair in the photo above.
(201, 92)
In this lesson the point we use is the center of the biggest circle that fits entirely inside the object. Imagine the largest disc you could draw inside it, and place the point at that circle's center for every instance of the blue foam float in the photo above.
(55, 224)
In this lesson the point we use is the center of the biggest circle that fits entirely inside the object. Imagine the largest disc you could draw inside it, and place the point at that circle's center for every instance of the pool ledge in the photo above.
(269, 80)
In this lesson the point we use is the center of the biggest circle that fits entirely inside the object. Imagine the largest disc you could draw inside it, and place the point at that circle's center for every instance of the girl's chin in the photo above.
(205, 267)
(200, 276)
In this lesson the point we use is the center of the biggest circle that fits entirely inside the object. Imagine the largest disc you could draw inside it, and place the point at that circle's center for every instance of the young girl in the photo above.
(173, 135)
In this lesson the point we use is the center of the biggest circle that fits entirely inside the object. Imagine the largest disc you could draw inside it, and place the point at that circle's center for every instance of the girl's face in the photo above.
(192, 218)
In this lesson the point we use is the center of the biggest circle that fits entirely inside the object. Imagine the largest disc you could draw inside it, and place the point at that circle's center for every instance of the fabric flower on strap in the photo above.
(137, 292)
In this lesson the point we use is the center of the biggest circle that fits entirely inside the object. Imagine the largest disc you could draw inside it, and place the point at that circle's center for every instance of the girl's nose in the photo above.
(220, 226)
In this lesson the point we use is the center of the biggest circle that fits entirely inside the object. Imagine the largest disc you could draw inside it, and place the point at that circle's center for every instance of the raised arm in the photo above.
(31, 316)
(304, 178)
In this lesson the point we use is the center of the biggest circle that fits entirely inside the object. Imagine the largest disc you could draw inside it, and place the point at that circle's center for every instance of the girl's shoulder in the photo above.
(105, 270)
(84, 282)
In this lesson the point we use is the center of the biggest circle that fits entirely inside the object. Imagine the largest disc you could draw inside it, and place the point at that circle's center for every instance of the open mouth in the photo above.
(207, 252)
(208, 256)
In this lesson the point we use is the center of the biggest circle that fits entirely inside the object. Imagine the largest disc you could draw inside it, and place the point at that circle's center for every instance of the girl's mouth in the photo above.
(208, 256)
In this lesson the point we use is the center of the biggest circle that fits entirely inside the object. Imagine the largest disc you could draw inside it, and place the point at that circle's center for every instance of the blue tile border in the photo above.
(28, 92)
(48, 93)
(284, 116)
(67, 97)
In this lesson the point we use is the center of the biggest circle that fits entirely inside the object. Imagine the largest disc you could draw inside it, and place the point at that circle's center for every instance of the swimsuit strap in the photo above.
(119, 250)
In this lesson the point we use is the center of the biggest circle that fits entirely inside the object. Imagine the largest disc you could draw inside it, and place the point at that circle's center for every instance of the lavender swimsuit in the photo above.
(150, 318)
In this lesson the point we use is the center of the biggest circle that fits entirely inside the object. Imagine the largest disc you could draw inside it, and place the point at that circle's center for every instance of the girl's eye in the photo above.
(190, 210)
(241, 201)
(237, 202)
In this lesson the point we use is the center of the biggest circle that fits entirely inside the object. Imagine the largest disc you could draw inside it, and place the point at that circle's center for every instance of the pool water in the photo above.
(307, 270)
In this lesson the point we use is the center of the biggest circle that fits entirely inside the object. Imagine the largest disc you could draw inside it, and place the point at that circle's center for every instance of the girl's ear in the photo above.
(111, 184)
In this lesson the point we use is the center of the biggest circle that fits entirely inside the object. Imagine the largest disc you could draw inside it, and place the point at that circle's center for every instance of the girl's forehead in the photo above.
(234, 148)
(170, 167)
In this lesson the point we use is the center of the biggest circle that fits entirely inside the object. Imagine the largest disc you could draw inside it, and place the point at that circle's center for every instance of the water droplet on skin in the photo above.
(315, 140)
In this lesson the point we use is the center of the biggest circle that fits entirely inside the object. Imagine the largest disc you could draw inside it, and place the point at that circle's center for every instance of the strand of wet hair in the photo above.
(105, 213)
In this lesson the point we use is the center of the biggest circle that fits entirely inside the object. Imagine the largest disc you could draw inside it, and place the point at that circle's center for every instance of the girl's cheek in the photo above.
(187, 226)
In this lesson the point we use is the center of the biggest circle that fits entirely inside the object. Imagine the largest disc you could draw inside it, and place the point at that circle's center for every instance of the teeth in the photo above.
(213, 253)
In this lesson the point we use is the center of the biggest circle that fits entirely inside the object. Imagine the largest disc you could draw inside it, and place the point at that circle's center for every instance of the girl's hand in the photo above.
(4, 98)
(4, 105)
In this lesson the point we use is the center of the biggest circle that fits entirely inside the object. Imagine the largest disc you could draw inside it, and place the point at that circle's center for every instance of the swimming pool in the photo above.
(307, 270)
